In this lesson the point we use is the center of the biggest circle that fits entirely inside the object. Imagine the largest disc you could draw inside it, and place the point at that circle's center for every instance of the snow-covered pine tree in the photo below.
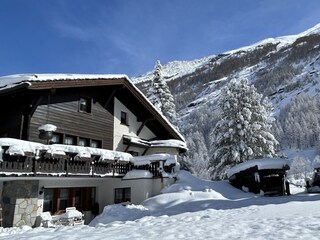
(160, 95)
(244, 129)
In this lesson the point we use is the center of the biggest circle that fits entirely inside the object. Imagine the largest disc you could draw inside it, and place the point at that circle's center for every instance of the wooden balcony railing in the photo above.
(70, 165)
(62, 165)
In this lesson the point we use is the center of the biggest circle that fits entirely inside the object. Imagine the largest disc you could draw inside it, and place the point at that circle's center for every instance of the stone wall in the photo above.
(20, 203)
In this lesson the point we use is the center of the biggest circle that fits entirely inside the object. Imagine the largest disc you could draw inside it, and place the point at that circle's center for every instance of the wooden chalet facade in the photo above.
(104, 124)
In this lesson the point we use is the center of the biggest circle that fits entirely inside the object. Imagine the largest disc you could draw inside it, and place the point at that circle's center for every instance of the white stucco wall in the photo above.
(131, 129)
(141, 189)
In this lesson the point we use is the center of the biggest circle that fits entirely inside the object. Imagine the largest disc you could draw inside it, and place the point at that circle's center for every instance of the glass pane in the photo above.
(64, 197)
(92, 199)
(96, 144)
(56, 138)
(77, 198)
(83, 142)
(47, 200)
(69, 140)
(85, 105)
(127, 195)
(124, 118)
(118, 195)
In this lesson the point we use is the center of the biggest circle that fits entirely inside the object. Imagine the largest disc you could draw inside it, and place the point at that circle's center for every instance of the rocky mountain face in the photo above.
(280, 68)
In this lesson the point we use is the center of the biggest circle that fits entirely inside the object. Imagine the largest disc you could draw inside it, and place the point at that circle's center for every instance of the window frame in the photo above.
(98, 142)
(88, 103)
(124, 118)
(83, 198)
(74, 140)
(122, 195)
(86, 142)
(58, 137)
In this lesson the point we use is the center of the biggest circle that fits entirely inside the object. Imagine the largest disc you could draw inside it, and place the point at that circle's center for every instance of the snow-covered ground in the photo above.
(196, 209)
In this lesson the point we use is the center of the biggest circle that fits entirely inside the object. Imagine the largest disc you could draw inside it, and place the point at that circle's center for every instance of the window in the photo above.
(85, 105)
(96, 144)
(69, 140)
(56, 138)
(47, 200)
(64, 197)
(83, 142)
(124, 118)
(122, 195)
(58, 199)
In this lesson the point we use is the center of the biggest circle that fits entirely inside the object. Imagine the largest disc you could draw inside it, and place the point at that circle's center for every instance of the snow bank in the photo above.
(117, 212)
(191, 214)
(262, 164)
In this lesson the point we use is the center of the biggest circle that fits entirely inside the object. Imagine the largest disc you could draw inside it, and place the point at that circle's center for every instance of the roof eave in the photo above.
(20, 86)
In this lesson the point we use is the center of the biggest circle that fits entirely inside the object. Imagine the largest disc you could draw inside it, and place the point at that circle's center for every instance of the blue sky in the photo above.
(128, 36)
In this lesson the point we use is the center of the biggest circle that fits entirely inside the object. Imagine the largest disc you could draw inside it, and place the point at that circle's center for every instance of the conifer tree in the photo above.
(160, 95)
(244, 129)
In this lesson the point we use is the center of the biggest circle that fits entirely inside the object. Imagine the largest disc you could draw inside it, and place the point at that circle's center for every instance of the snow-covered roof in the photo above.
(10, 82)
(14, 80)
(147, 159)
(261, 164)
(169, 143)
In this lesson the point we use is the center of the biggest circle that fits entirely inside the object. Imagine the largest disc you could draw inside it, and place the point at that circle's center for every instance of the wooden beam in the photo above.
(143, 124)
(112, 95)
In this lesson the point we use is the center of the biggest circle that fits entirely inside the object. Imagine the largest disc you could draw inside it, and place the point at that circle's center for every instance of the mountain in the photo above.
(284, 69)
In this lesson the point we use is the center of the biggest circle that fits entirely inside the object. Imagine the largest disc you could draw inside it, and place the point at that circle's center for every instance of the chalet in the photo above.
(261, 176)
(83, 141)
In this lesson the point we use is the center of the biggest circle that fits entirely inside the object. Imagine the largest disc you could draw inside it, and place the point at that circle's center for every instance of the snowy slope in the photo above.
(200, 75)
(174, 69)
(196, 209)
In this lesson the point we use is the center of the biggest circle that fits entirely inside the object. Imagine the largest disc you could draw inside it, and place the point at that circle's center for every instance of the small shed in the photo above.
(313, 185)
(265, 176)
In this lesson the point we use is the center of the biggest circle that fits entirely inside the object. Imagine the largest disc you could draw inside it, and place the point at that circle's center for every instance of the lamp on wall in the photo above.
(41, 190)
(46, 131)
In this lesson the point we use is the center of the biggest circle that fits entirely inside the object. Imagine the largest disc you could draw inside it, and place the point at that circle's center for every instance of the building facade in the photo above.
(81, 141)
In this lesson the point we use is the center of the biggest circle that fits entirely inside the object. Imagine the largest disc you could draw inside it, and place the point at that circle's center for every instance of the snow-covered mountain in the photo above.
(281, 68)
(174, 69)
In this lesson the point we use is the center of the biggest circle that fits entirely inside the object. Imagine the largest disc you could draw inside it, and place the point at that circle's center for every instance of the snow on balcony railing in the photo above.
(58, 159)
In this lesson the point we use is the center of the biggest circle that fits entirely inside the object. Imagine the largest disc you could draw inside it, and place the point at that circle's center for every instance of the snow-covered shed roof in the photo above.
(20, 82)
(261, 164)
